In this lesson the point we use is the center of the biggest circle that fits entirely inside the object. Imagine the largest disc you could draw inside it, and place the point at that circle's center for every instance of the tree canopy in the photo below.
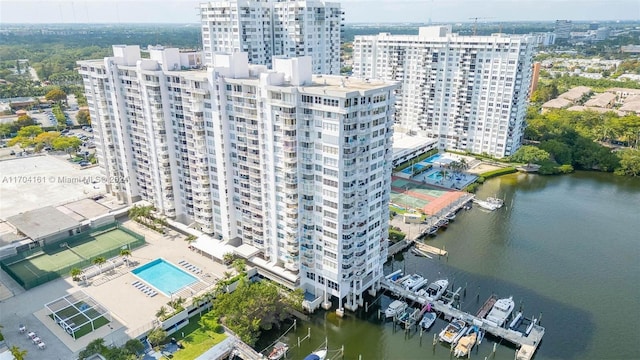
(529, 154)
(56, 95)
(83, 117)
(255, 306)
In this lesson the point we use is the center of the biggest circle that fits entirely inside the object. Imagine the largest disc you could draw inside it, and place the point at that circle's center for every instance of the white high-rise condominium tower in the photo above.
(266, 29)
(297, 167)
(469, 92)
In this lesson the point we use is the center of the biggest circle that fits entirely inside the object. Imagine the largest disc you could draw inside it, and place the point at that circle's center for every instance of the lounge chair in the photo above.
(153, 293)
(135, 283)
(181, 262)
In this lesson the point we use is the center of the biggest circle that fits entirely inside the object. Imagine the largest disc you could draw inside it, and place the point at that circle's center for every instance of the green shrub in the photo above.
(395, 235)
(472, 188)
(498, 172)
(480, 180)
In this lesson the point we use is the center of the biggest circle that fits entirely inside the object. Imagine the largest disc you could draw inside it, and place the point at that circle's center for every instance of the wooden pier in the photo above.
(527, 344)
(430, 249)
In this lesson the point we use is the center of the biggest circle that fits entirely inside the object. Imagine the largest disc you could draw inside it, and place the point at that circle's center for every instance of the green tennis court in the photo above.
(41, 265)
(407, 200)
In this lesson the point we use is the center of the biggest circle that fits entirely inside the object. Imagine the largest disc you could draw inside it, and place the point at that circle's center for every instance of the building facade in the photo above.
(469, 92)
(563, 29)
(274, 28)
(296, 166)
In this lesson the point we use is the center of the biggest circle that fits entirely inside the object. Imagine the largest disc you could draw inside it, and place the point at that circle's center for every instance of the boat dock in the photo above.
(430, 249)
(527, 344)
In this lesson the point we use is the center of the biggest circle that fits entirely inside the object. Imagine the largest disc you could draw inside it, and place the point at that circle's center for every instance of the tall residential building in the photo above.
(563, 29)
(469, 92)
(297, 167)
(266, 29)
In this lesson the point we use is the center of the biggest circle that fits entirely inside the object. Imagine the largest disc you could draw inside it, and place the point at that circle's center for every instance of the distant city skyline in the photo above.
(356, 11)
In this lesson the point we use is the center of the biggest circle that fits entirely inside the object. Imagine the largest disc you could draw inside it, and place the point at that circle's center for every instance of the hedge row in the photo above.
(498, 172)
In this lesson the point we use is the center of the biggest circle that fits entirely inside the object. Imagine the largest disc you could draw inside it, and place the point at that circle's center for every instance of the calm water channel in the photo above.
(567, 247)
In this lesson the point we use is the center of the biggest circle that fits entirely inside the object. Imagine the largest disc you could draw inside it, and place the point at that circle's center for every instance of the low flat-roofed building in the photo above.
(407, 147)
(631, 107)
(622, 94)
(576, 93)
(604, 100)
(556, 103)
(45, 225)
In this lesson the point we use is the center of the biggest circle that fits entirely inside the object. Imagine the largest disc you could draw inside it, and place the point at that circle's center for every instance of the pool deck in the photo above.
(133, 312)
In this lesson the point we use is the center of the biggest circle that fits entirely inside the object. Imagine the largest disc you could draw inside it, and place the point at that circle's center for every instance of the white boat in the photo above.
(486, 205)
(412, 281)
(435, 290)
(466, 343)
(278, 351)
(395, 308)
(453, 332)
(317, 355)
(428, 319)
(501, 311)
(497, 201)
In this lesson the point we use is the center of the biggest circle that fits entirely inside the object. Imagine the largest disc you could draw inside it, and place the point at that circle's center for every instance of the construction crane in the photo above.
(475, 23)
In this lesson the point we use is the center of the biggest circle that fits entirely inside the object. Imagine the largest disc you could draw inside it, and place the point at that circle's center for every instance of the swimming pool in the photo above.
(164, 276)
(437, 176)
(431, 159)
(413, 169)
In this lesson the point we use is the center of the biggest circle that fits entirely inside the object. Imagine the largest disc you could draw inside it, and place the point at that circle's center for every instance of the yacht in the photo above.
(453, 332)
(412, 281)
(501, 311)
(435, 290)
(466, 343)
(428, 319)
(395, 308)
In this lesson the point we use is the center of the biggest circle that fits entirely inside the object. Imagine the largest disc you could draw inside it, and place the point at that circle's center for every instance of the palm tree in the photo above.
(227, 258)
(162, 312)
(99, 261)
(191, 238)
(125, 253)
(18, 354)
(75, 274)
(239, 265)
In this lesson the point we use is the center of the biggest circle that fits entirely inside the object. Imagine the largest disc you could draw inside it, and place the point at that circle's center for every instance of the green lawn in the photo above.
(196, 340)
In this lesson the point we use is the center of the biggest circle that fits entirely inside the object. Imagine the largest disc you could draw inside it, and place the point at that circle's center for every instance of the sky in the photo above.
(371, 11)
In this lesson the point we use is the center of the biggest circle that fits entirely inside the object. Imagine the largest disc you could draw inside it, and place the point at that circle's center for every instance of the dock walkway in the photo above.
(527, 344)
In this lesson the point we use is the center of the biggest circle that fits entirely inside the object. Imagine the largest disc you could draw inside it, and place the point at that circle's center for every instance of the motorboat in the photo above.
(491, 203)
(494, 200)
(500, 311)
(442, 223)
(486, 205)
(466, 343)
(428, 319)
(450, 216)
(279, 350)
(317, 355)
(395, 308)
(412, 281)
(453, 332)
(435, 290)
